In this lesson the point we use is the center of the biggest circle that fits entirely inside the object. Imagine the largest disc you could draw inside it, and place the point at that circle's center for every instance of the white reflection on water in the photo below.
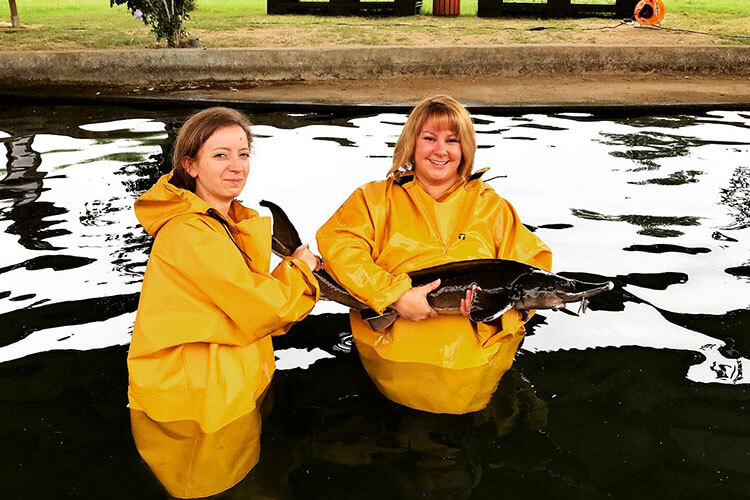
(95, 335)
(286, 359)
(553, 168)
(134, 125)
(99, 211)
(638, 325)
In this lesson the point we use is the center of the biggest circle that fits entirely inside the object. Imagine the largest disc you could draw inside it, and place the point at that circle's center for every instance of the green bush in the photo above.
(165, 17)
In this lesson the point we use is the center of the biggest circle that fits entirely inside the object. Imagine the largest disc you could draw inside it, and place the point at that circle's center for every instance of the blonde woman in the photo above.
(431, 209)
(201, 357)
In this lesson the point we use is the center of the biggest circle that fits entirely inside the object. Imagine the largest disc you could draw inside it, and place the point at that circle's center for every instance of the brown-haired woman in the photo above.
(201, 357)
(430, 210)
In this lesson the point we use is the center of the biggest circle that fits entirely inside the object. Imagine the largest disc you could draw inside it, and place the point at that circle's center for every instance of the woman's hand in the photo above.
(413, 305)
(466, 301)
(304, 254)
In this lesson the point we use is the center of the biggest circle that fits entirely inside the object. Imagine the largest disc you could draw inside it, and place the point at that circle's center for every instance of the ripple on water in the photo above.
(55, 262)
(666, 248)
(739, 271)
(670, 338)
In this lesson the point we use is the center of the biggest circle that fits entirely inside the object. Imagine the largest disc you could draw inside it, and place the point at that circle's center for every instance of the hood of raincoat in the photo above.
(165, 201)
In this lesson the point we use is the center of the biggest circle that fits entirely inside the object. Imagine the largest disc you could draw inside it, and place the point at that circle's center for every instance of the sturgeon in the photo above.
(498, 284)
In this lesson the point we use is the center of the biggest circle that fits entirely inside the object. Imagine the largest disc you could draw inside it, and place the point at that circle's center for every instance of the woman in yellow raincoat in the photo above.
(201, 357)
(430, 210)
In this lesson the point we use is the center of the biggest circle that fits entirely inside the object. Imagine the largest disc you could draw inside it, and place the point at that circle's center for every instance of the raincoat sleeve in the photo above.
(346, 243)
(513, 241)
(211, 269)
(288, 271)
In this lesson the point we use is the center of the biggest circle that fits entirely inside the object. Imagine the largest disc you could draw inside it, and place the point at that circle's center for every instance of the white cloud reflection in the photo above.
(551, 166)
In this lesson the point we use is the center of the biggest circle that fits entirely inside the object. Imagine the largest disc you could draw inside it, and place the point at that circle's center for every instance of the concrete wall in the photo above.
(173, 66)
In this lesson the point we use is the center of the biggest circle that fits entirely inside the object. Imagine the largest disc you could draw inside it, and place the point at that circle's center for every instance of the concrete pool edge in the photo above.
(608, 109)
(637, 94)
(196, 66)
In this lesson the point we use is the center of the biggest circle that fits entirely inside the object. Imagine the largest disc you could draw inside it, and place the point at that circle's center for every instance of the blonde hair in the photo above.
(194, 132)
(449, 114)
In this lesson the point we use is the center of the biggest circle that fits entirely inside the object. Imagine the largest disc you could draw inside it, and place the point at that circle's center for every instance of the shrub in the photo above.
(164, 16)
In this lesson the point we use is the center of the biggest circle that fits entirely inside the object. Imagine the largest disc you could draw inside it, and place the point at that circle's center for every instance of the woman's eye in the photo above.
(428, 138)
(220, 155)
(245, 155)
(452, 140)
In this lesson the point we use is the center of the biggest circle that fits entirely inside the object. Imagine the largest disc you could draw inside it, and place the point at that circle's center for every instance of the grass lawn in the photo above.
(76, 24)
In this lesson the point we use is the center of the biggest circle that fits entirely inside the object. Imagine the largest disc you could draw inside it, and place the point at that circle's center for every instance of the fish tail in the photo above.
(285, 239)
(379, 322)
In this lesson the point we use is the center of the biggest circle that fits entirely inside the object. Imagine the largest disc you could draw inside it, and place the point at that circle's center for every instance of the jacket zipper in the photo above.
(211, 213)
(432, 224)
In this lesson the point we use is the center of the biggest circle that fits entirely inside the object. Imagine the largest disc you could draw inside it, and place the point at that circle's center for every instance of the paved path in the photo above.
(510, 75)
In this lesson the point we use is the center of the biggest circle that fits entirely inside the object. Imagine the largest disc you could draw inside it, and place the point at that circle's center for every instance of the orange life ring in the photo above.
(649, 12)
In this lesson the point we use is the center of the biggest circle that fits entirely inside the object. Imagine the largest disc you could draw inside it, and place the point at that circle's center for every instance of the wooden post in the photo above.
(14, 21)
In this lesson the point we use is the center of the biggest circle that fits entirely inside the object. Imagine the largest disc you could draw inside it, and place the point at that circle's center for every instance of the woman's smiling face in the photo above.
(221, 166)
(437, 155)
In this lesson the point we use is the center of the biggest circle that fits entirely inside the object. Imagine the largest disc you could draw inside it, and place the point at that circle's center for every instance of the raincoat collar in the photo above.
(424, 202)
(404, 179)
(165, 201)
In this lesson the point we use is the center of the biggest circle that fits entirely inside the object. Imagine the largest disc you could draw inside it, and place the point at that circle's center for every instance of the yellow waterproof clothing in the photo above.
(201, 355)
(388, 228)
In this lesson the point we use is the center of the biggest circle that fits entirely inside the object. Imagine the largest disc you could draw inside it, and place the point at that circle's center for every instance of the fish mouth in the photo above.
(594, 289)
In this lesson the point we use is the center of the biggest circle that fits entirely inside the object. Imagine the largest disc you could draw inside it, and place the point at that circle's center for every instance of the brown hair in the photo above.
(194, 132)
(450, 114)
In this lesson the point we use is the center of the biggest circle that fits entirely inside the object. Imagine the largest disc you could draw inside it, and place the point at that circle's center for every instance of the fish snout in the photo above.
(540, 299)
(583, 290)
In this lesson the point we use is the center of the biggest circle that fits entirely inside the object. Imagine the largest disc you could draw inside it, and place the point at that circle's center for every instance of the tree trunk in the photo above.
(14, 21)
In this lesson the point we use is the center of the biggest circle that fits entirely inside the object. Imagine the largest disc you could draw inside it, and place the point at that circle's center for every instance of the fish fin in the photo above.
(382, 322)
(487, 307)
(583, 306)
(497, 322)
(285, 239)
(567, 311)
(379, 322)
(368, 313)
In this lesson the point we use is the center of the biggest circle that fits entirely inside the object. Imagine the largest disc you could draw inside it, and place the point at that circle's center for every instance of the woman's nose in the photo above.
(237, 163)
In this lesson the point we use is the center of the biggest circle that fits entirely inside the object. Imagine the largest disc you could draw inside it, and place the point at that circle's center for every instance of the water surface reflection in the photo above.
(650, 384)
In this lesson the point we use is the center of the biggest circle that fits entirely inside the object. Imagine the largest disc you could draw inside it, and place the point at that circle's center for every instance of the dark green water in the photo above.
(645, 396)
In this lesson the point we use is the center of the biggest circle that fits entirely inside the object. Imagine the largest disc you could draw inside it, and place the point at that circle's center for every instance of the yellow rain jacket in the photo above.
(385, 229)
(201, 357)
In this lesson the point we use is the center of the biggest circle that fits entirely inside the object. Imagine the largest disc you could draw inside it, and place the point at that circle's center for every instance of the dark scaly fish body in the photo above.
(331, 290)
(500, 284)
